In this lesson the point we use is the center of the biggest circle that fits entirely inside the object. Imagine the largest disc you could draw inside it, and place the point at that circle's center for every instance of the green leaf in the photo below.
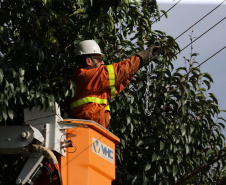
(131, 128)
(187, 149)
(210, 151)
(165, 13)
(200, 96)
(123, 128)
(78, 11)
(207, 83)
(66, 93)
(184, 108)
(134, 180)
(147, 166)
(4, 115)
(145, 179)
(207, 75)
(11, 114)
(183, 130)
(21, 72)
(140, 142)
(213, 98)
(131, 108)
(162, 145)
(41, 54)
(44, 1)
(175, 170)
(1, 76)
(128, 119)
(154, 157)
(168, 169)
(23, 88)
(192, 129)
(179, 159)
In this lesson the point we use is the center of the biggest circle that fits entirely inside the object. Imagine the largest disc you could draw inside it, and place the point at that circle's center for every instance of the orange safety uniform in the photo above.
(95, 87)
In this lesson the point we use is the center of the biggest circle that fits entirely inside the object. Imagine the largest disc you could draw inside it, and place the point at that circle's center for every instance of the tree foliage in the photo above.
(37, 42)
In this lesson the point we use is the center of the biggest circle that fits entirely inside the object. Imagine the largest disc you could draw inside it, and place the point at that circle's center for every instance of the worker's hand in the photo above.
(150, 54)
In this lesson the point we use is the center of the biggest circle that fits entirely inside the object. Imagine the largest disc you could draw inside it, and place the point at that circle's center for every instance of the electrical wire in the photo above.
(57, 172)
(172, 7)
(47, 168)
(168, 10)
(146, 94)
(211, 56)
(202, 34)
(199, 20)
(117, 83)
(49, 155)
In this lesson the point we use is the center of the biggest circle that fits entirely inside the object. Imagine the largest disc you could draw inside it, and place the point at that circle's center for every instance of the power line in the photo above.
(203, 34)
(199, 20)
(184, 32)
(172, 7)
(169, 10)
(211, 56)
(176, 53)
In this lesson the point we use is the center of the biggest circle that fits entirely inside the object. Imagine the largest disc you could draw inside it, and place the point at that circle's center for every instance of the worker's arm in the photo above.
(125, 70)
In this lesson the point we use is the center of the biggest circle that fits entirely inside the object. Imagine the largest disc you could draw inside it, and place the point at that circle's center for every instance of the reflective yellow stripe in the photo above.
(113, 92)
(107, 107)
(88, 100)
(111, 74)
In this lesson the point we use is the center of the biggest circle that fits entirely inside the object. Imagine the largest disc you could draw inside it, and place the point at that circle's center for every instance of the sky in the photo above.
(181, 17)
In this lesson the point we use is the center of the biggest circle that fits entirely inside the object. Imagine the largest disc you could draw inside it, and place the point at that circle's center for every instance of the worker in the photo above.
(96, 83)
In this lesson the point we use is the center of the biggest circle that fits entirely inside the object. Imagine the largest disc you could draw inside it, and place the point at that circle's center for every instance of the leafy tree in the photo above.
(37, 41)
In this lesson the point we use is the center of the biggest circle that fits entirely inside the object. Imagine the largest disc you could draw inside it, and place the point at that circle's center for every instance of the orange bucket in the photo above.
(91, 158)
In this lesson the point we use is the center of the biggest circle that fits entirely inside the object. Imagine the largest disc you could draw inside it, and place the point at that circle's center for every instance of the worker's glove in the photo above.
(149, 54)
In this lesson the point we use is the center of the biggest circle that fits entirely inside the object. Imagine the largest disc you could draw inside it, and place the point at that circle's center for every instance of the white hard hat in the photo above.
(87, 47)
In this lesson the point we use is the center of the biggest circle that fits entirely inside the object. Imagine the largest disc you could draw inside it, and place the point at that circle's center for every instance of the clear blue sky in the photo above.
(185, 14)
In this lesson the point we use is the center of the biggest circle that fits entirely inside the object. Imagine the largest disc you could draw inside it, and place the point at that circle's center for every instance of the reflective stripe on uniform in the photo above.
(111, 74)
(88, 100)
(113, 92)
(107, 107)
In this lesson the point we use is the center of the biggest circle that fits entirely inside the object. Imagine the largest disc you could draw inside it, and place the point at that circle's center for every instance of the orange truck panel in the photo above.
(93, 162)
